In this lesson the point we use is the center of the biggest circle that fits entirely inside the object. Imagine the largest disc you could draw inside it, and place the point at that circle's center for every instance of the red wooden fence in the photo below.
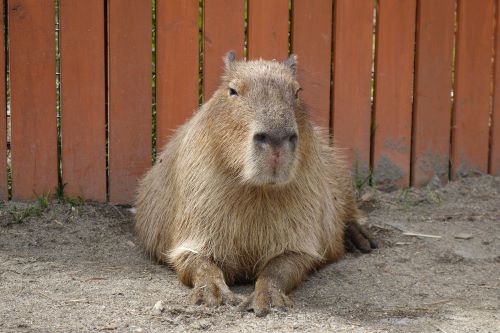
(409, 88)
(432, 102)
(83, 122)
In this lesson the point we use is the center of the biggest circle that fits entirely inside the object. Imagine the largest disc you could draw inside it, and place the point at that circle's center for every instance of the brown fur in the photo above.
(200, 211)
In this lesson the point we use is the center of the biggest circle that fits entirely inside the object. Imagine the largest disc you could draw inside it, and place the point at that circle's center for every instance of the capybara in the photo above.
(249, 189)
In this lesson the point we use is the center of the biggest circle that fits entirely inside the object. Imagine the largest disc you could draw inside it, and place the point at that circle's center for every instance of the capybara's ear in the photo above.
(291, 62)
(229, 59)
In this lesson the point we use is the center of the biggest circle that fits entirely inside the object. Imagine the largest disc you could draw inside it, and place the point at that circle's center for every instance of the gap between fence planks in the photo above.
(3, 118)
(494, 158)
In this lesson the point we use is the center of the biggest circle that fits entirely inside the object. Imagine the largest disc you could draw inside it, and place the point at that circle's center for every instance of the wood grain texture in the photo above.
(432, 99)
(3, 116)
(33, 97)
(177, 47)
(82, 99)
(393, 92)
(494, 160)
(130, 95)
(312, 42)
(352, 68)
(268, 29)
(223, 31)
(470, 132)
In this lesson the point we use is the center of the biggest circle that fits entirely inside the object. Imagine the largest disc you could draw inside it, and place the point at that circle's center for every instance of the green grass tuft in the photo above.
(37, 209)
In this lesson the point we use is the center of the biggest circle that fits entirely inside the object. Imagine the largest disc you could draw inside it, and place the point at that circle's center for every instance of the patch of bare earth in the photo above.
(80, 268)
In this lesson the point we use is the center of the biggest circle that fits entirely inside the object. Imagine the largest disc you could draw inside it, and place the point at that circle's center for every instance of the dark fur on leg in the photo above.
(358, 238)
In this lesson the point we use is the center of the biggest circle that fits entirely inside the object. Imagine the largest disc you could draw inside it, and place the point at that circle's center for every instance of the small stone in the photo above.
(368, 196)
(203, 324)
(111, 327)
(463, 235)
(158, 307)
(435, 183)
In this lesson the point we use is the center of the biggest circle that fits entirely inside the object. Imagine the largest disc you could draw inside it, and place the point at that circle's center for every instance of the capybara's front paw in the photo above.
(358, 238)
(262, 300)
(213, 292)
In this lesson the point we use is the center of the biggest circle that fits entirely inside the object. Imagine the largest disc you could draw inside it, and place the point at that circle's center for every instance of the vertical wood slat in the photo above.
(393, 92)
(470, 133)
(352, 67)
(82, 99)
(3, 116)
(33, 97)
(223, 31)
(268, 29)
(177, 48)
(130, 95)
(494, 160)
(432, 100)
(311, 41)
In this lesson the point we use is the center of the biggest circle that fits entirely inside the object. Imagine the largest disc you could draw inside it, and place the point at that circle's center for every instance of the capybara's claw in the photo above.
(213, 293)
(358, 238)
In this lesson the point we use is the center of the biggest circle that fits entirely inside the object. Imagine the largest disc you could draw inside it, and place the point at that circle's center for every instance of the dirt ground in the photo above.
(70, 267)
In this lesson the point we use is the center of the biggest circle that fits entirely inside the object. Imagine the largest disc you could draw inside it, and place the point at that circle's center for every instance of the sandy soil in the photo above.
(80, 268)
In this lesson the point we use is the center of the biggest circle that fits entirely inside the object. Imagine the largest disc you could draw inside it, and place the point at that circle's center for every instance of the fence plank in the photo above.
(432, 100)
(3, 117)
(312, 42)
(494, 161)
(82, 99)
(470, 133)
(393, 92)
(351, 96)
(268, 29)
(177, 47)
(223, 30)
(33, 97)
(129, 95)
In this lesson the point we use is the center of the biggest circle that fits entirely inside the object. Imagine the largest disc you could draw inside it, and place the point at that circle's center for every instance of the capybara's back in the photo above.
(248, 189)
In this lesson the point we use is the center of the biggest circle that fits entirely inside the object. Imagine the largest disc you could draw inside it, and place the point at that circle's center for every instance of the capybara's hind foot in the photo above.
(358, 238)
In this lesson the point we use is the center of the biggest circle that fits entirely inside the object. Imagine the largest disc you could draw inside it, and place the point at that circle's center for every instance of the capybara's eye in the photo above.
(233, 92)
(260, 138)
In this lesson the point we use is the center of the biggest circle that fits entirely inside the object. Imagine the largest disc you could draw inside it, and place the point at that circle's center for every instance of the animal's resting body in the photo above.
(249, 189)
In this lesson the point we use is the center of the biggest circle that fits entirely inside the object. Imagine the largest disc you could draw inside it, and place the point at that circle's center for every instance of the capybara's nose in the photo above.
(275, 139)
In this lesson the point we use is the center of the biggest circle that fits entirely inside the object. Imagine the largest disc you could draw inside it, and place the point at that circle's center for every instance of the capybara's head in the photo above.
(261, 104)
